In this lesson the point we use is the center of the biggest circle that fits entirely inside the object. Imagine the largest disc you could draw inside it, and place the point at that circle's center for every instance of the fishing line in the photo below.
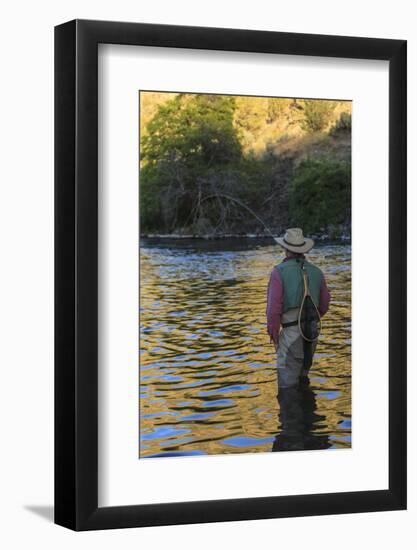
(243, 205)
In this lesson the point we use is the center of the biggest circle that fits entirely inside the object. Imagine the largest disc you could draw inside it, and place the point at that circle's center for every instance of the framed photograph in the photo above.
(230, 284)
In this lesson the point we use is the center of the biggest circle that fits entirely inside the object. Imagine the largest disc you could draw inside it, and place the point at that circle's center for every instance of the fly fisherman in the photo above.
(297, 299)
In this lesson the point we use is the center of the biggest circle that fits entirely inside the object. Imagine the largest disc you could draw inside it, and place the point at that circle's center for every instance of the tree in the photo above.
(197, 129)
(317, 114)
(189, 139)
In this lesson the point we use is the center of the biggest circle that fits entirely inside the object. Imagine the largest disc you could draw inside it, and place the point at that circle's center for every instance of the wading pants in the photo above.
(290, 356)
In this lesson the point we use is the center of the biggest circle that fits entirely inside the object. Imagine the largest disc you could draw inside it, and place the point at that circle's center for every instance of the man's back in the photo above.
(291, 273)
(286, 289)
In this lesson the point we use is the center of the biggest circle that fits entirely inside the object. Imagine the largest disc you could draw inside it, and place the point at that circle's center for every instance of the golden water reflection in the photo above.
(208, 381)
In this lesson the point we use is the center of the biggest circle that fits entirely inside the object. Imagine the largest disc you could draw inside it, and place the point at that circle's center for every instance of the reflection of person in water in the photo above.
(297, 414)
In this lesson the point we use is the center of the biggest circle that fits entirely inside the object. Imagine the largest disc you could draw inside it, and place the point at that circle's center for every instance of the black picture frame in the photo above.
(76, 272)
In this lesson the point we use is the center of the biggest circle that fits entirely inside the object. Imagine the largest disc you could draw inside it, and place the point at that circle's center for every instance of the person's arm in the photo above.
(274, 306)
(324, 297)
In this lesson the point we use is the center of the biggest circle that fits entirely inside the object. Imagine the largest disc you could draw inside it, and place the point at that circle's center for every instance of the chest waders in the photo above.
(309, 321)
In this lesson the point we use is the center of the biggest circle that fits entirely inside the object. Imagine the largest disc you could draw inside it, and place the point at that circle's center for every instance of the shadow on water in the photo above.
(299, 421)
(208, 381)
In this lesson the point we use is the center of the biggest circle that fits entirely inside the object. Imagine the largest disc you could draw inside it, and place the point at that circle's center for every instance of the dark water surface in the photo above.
(208, 382)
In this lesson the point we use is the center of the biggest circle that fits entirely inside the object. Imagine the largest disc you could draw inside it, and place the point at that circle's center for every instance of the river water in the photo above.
(208, 382)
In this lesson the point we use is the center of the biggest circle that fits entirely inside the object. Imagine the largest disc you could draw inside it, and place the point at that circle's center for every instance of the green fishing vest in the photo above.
(293, 285)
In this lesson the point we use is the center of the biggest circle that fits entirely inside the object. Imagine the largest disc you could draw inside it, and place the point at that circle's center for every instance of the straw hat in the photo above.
(295, 241)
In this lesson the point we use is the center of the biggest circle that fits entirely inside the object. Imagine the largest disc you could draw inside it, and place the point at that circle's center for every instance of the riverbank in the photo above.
(324, 237)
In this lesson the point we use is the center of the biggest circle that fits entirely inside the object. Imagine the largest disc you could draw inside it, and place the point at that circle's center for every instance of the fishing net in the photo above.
(309, 320)
(309, 323)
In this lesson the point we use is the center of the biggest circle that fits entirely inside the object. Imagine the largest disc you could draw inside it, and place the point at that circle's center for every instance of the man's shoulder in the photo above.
(278, 267)
(314, 268)
(276, 272)
(287, 264)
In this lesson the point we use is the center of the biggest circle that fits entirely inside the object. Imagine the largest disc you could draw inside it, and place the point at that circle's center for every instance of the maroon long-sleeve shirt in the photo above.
(276, 299)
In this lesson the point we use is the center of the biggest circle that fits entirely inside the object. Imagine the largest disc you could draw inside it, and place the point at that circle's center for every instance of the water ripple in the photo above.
(207, 370)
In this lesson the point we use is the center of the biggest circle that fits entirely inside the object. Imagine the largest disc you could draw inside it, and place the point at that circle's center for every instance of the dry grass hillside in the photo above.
(269, 125)
(295, 153)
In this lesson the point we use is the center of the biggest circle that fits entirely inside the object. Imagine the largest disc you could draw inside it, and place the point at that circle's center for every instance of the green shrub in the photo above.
(317, 114)
(320, 195)
(343, 124)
